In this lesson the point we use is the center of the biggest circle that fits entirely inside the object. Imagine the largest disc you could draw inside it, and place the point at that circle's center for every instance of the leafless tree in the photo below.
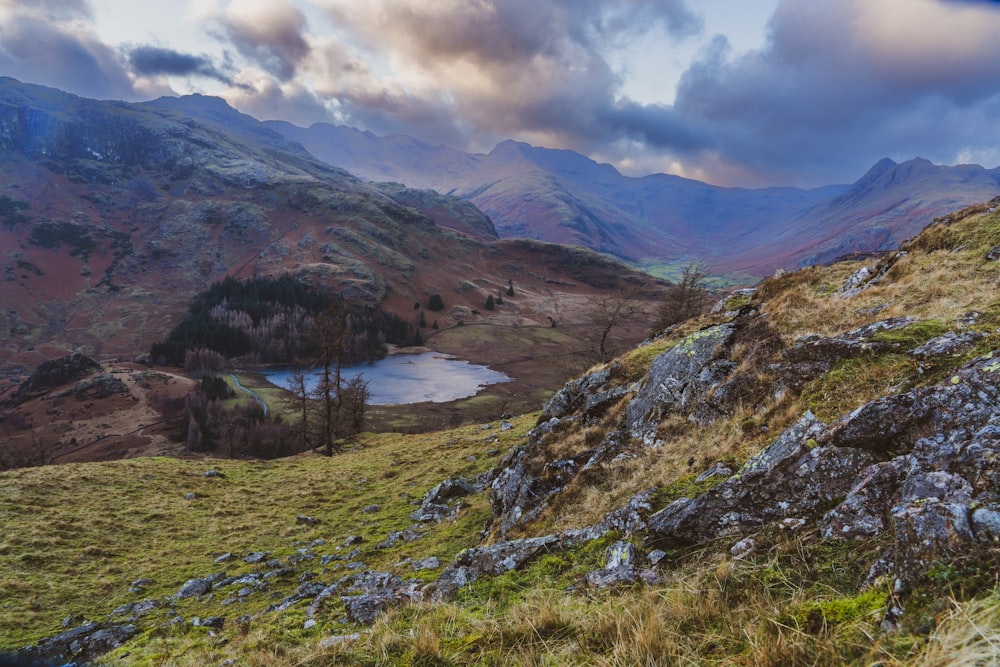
(612, 312)
(684, 300)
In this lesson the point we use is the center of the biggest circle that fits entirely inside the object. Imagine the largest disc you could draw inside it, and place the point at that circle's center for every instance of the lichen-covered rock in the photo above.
(494, 560)
(952, 342)
(926, 531)
(678, 378)
(966, 400)
(850, 344)
(437, 504)
(790, 477)
(587, 395)
(621, 567)
(198, 586)
(521, 485)
(79, 645)
(866, 509)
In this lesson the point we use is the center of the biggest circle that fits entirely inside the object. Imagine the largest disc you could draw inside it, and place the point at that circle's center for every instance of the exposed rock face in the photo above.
(55, 373)
(791, 477)
(811, 356)
(678, 379)
(589, 395)
(438, 503)
(79, 645)
(494, 560)
(924, 464)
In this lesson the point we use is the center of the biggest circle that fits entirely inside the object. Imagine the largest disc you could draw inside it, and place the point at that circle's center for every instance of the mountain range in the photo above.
(565, 197)
(113, 216)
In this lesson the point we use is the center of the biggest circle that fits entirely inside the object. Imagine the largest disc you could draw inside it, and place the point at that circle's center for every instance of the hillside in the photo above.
(805, 476)
(562, 196)
(113, 216)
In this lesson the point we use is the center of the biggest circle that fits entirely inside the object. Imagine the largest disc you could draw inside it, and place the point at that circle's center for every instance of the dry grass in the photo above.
(968, 635)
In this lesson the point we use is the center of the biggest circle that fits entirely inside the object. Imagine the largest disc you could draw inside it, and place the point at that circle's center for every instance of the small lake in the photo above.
(409, 378)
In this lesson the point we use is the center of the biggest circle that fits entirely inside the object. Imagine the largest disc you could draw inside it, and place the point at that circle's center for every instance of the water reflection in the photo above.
(410, 378)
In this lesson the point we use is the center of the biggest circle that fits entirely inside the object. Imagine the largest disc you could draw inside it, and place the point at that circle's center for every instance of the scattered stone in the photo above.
(408, 534)
(307, 520)
(191, 496)
(199, 586)
(139, 585)
(338, 640)
(506, 426)
(854, 283)
(212, 473)
(655, 556)
(256, 557)
(993, 254)
(431, 563)
(352, 540)
(620, 567)
(225, 558)
(742, 549)
(214, 622)
(371, 509)
(364, 609)
(437, 504)
(310, 623)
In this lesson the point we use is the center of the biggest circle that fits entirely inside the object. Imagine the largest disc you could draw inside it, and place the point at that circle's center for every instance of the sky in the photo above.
(745, 93)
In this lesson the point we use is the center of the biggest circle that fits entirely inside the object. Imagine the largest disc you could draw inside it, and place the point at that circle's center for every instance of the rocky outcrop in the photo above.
(811, 356)
(679, 378)
(679, 381)
(587, 396)
(791, 478)
(494, 560)
(923, 464)
(79, 645)
(442, 502)
(56, 373)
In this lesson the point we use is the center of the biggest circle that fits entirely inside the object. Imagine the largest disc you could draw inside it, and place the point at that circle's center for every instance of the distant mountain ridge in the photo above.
(114, 215)
(563, 196)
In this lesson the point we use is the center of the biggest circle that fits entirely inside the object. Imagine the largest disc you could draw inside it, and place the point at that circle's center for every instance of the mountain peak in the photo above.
(879, 168)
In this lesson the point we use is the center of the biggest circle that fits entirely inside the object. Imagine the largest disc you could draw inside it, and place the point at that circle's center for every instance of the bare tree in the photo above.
(684, 300)
(612, 312)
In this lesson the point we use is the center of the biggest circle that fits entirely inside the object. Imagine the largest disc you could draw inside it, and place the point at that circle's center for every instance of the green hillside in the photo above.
(81, 541)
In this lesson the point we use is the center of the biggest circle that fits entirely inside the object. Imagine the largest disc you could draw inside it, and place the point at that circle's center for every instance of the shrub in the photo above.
(435, 303)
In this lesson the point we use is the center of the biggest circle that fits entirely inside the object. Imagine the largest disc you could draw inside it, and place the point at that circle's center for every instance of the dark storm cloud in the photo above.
(654, 125)
(45, 51)
(271, 36)
(154, 60)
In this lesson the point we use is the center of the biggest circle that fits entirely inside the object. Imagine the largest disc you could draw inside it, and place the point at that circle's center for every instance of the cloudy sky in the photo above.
(734, 92)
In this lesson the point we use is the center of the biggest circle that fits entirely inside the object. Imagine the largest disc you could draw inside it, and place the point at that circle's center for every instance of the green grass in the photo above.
(76, 536)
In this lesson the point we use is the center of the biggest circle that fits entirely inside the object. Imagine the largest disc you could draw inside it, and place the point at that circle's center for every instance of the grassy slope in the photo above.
(77, 535)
